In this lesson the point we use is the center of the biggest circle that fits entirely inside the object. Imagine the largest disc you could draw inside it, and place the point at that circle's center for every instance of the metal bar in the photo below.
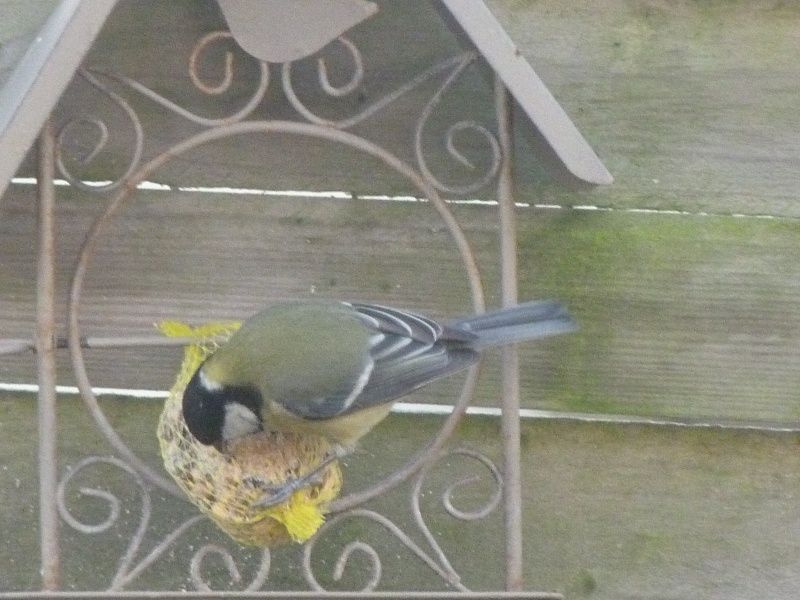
(401, 595)
(45, 363)
(510, 427)
(18, 346)
(133, 341)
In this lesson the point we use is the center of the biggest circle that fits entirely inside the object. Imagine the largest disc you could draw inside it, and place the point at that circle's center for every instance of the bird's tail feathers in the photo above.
(527, 321)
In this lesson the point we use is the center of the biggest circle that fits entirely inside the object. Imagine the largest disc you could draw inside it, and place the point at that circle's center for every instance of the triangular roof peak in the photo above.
(34, 87)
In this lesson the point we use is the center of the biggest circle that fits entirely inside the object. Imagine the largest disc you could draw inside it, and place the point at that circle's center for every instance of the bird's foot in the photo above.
(278, 493)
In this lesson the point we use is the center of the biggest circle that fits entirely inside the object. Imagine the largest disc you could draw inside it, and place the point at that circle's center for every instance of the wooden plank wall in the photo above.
(684, 283)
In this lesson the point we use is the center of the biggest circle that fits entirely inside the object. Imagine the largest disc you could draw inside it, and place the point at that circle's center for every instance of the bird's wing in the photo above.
(402, 351)
(407, 352)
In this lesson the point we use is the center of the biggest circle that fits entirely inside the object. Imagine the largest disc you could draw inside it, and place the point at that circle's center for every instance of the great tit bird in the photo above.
(332, 369)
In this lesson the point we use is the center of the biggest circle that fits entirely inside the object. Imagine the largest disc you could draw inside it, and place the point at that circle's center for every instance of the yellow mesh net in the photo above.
(220, 485)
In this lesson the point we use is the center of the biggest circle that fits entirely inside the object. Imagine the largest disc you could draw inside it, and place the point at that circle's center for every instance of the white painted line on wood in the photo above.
(341, 195)
(419, 408)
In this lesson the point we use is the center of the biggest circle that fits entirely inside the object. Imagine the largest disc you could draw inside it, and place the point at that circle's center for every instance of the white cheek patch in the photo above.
(239, 421)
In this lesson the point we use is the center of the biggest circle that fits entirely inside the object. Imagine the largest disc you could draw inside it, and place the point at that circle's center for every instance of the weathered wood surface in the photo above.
(682, 315)
(693, 107)
(610, 512)
(691, 104)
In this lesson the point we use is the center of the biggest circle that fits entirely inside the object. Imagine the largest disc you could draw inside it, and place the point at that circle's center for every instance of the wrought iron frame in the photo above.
(51, 163)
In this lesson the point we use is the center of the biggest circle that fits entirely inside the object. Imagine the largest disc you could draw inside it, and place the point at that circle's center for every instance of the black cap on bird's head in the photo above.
(217, 413)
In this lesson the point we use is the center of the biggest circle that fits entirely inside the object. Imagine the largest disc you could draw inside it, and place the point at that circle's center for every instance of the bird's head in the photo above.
(217, 413)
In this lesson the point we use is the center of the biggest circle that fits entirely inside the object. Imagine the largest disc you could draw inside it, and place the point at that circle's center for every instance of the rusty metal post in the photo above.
(46, 364)
(512, 480)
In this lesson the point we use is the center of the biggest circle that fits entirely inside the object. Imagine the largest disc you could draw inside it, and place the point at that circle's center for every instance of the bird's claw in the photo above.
(278, 493)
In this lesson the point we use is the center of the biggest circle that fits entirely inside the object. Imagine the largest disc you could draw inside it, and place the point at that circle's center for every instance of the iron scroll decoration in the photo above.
(316, 128)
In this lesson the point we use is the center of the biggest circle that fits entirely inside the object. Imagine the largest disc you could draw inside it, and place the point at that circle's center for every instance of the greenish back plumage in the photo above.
(297, 350)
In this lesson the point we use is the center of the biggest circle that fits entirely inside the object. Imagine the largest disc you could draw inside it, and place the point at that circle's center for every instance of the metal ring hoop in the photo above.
(431, 450)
